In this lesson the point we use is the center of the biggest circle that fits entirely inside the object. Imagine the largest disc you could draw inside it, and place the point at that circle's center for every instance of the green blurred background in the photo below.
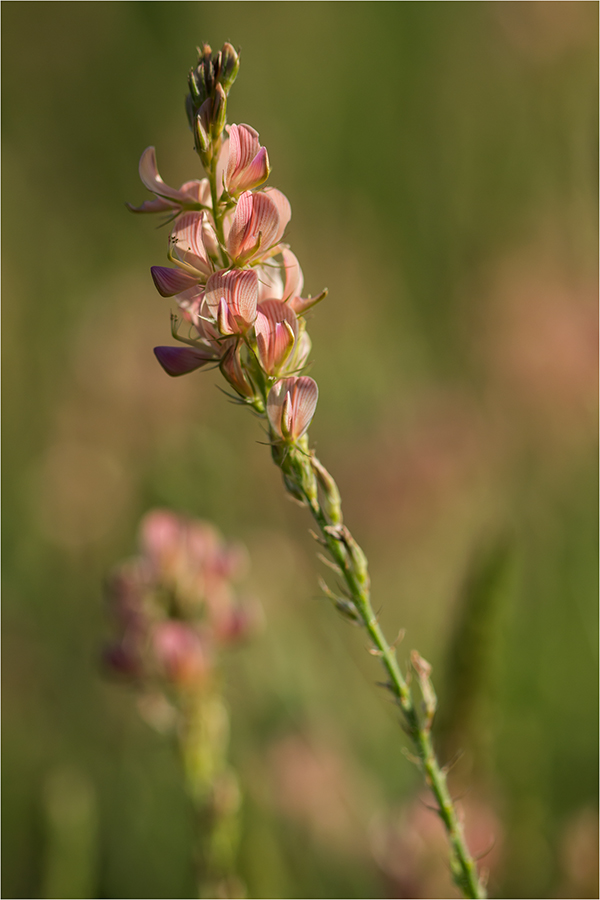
(440, 159)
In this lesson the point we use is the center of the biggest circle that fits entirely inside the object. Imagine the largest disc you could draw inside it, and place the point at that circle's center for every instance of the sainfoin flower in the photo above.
(191, 194)
(260, 219)
(276, 330)
(291, 405)
(247, 163)
(231, 297)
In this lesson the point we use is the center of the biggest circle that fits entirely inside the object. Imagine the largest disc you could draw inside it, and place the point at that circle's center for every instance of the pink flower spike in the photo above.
(238, 289)
(169, 282)
(248, 162)
(291, 405)
(181, 360)
(276, 330)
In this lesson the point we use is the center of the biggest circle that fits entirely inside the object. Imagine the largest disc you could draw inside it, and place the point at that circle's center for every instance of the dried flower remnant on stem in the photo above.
(249, 315)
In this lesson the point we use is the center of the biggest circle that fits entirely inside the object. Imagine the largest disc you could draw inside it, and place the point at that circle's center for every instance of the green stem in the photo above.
(345, 553)
(213, 790)
(217, 214)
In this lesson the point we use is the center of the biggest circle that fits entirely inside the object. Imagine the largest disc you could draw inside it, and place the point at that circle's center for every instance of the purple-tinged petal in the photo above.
(181, 360)
(169, 282)
(158, 205)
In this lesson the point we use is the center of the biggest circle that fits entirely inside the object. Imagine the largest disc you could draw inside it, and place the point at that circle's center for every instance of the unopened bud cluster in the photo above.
(237, 284)
(174, 607)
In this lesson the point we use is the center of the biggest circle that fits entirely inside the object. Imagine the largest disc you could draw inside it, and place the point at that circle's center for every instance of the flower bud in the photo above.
(332, 502)
(218, 113)
(230, 65)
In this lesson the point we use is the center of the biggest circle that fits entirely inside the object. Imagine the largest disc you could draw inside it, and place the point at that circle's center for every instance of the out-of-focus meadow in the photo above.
(440, 159)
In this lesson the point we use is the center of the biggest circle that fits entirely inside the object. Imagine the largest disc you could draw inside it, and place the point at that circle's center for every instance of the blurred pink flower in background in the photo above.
(411, 846)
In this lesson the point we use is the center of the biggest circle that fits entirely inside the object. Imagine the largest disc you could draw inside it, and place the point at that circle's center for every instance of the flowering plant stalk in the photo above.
(174, 610)
(238, 287)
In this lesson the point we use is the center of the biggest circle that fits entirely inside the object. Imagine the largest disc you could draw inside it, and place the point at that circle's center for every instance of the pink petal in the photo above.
(294, 280)
(305, 394)
(245, 295)
(300, 305)
(300, 354)
(256, 226)
(169, 282)
(237, 239)
(283, 208)
(188, 237)
(151, 179)
(275, 402)
(270, 284)
(239, 289)
(181, 360)
(197, 191)
(225, 320)
(248, 163)
(276, 331)
(243, 146)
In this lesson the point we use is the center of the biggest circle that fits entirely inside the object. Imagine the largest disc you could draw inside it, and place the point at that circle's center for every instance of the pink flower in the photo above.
(291, 405)
(276, 329)
(258, 225)
(231, 296)
(248, 162)
(191, 195)
(180, 652)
